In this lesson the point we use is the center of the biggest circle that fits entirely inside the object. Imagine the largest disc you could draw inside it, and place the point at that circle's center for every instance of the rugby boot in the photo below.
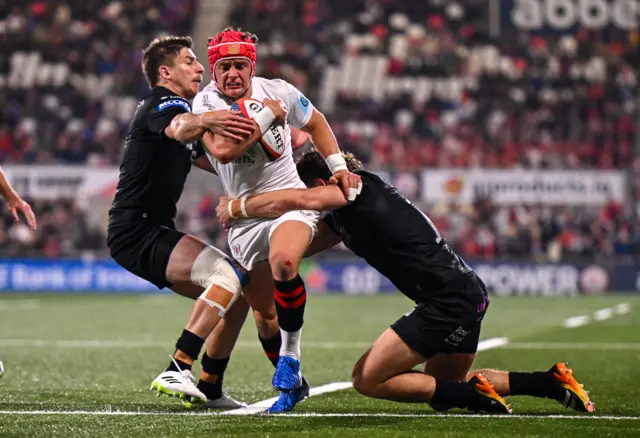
(569, 393)
(288, 400)
(491, 401)
(180, 384)
(287, 375)
(224, 402)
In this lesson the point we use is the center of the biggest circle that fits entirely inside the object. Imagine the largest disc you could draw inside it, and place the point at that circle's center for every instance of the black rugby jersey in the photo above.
(154, 167)
(397, 239)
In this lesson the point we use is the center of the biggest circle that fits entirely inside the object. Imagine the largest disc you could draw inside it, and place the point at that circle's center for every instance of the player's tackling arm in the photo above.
(226, 150)
(186, 128)
(189, 127)
(278, 202)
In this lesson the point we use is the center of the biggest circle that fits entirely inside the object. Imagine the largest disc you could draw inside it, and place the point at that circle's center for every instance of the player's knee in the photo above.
(283, 266)
(361, 381)
(267, 324)
(364, 384)
(221, 282)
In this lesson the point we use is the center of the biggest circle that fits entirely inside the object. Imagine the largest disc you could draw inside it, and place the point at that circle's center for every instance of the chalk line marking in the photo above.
(263, 405)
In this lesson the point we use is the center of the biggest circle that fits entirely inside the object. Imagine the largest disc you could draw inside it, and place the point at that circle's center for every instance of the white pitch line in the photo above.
(263, 405)
(574, 346)
(623, 308)
(334, 415)
(576, 321)
(603, 314)
(492, 343)
(598, 315)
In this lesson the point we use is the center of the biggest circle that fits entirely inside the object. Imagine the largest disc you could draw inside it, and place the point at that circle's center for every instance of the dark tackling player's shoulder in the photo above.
(158, 108)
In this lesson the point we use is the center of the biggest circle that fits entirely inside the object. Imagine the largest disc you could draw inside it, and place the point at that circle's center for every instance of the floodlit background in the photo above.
(512, 124)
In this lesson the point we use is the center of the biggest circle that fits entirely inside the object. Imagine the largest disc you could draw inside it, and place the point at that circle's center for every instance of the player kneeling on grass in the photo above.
(443, 330)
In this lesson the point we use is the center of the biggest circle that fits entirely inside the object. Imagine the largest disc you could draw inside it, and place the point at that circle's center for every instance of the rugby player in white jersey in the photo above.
(270, 249)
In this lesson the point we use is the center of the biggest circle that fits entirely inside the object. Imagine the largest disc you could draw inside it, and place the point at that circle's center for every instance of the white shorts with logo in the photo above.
(249, 242)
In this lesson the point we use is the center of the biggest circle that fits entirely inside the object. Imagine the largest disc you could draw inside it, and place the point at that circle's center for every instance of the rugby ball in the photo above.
(272, 141)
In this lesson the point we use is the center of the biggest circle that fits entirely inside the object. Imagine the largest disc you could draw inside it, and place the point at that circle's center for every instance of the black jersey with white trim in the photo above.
(396, 238)
(154, 167)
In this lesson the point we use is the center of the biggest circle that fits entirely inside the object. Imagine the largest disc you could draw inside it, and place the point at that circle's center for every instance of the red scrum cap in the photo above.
(231, 43)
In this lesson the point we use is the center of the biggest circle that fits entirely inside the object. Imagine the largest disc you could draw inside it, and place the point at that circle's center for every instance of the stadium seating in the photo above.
(405, 84)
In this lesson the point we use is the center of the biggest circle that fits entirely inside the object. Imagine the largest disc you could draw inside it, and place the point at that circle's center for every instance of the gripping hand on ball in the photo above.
(278, 111)
(229, 124)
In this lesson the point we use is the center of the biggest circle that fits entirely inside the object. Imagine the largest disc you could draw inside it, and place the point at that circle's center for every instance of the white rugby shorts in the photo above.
(249, 243)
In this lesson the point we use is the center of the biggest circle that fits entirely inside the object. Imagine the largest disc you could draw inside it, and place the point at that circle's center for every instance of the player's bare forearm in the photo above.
(186, 128)
(321, 135)
(226, 150)
(7, 192)
(279, 202)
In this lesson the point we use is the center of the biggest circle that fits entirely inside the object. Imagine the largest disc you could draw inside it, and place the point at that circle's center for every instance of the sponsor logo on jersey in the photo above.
(207, 103)
(248, 157)
(303, 103)
(175, 102)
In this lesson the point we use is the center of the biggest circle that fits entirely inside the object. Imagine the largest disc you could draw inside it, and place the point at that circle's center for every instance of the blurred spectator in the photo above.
(70, 74)
(450, 96)
(63, 230)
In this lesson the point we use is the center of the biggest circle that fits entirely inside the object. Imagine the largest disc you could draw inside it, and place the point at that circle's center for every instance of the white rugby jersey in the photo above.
(253, 172)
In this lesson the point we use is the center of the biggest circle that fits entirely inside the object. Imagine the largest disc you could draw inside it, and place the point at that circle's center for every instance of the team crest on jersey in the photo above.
(207, 103)
(235, 249)
(303, 103)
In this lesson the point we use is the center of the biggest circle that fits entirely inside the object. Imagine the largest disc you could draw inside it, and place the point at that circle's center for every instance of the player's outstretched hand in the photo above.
(222, 211)
(229, 124)
(350, 183)
(278, 110)
(19, 205)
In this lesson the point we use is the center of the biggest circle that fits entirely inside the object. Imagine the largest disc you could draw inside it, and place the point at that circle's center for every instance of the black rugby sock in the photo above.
(535, 384)
(211, 376)
(271, 347)
(187, 350)
(456, 395)
(290, 297)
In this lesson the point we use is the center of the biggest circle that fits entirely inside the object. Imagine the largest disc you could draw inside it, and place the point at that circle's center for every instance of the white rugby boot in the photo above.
(180, 384)
(224, 402)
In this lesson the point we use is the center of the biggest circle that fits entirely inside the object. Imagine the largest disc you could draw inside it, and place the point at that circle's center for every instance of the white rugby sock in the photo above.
(290, 344)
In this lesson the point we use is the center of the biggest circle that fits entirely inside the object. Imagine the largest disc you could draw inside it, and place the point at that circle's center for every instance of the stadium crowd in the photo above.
(70, 77)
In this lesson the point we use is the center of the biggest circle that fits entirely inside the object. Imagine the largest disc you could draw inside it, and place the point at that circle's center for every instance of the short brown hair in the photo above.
(311, 166)
(162, 51)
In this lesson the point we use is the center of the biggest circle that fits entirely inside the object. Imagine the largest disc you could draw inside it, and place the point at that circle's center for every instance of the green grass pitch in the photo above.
(99, 353)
